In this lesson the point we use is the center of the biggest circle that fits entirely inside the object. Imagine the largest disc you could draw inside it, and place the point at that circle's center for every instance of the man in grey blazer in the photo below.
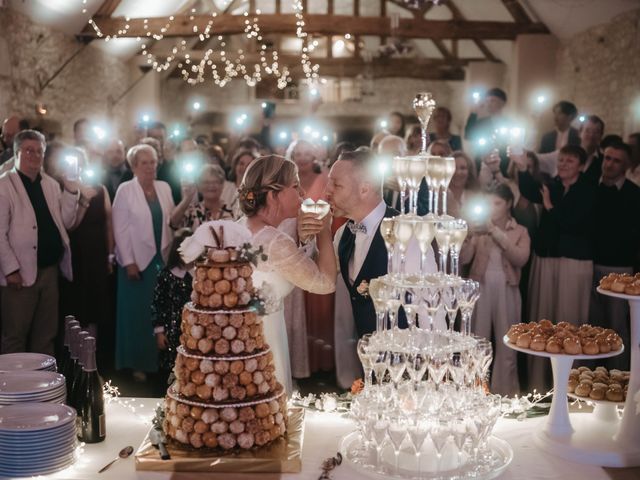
(34, 216)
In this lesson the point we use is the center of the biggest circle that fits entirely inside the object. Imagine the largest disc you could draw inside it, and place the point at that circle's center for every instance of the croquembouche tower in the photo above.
(225, 395)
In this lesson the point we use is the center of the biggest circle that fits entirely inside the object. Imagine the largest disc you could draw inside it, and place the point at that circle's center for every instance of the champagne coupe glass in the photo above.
(424, 230)
(439, 436)
(379, 292)
(432, 296)
(468, 293)
(387, 230)
(449, 167)
(443, 239)
(417, 430)
(403, 229)
(484, 355)
(434, 176)
(424, 105)
(416, 168)
(380, 435)
(365, 358)
(458, 229)
(450, 301)
(379, 367)
(397, 432)
(400, 168)
(396, 364)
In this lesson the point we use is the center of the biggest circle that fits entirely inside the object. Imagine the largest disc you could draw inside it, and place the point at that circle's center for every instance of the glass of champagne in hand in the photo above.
(387, 230)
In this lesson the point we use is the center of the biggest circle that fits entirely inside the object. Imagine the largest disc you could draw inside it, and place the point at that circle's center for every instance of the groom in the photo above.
(354, 191)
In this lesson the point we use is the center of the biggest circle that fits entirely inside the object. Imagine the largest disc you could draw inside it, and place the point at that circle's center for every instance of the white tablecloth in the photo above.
(128, 421)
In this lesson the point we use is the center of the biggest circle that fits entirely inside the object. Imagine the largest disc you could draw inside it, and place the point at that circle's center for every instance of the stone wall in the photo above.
(599, 70)
(30, 54)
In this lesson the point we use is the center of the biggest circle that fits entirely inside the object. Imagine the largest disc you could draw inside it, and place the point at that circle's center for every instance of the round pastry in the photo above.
(227, 441)
(598, 393)
(221, 367)
(590, 348)
(229, 333)
(237, 346)
(201, 273)
(237, 392)
(538, 343)
(214, 331)
(229, 414)
(524, 340)
(187, 424)
(615, 393)
(553, 346)
(191, 343)
(223, 286)
(236, 427)
(245, 440)
(214, 274)
(222, 346)
(573, 383)
(572, 346)
(220, 394)
(197, 377)
(221, 319)
(245, 271)
(513, 333)
(583, 389)
(219, 427)
(212, 379)
(210, 415)
(215, 300)
(250, 345)
(230, 299)
(245, 414)
(205, 345)
(633, 288)
(203, 392)
(207, 287)
(603, 344)
(615, 341)
(230, 273)
(210, 439)
(262, 438)
(206, 366)
(239, 285)
(252, 390)
(200, 427)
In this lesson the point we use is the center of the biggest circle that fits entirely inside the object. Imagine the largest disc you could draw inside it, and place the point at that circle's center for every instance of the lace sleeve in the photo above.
(284, 256)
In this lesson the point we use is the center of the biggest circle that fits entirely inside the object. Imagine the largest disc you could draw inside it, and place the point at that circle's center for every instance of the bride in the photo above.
(270, 197)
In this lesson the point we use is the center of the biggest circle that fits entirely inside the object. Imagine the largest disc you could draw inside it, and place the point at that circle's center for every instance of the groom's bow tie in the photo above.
(357, 227)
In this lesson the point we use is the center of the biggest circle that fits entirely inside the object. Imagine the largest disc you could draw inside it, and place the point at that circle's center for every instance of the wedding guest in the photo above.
(562, 265)
(564, 113)
(191, 212)
(311, 342)
(616, 240)
(441, 121)
(633, 173)
(34, 247)
(591, 134)
(413, 139)
(463, 183)
(396, 124)
(172, 291)
(10, 128)
(239, 163)
(92, 246)
(141, 213)
(497, 251)
(116, 167)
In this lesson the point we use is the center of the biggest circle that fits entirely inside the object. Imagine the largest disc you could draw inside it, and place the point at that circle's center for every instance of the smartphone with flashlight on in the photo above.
(71, 166)
(477, 212)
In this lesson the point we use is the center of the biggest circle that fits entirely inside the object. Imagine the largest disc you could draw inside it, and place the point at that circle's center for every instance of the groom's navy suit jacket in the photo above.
(374, 265)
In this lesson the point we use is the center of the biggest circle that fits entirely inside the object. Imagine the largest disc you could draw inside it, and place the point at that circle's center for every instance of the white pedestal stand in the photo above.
(583, 438)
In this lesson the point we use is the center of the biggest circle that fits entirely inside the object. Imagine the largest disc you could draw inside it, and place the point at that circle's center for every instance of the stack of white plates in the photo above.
(36, 439)
(10, 362)
(25, 386)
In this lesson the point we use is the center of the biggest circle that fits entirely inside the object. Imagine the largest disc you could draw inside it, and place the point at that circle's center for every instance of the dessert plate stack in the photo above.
(39, 386)
(36, 439)
(11, 362)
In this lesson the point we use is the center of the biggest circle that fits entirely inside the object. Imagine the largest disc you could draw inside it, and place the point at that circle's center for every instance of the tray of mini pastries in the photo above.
(599, 385)
(623, 283)
(547, 339)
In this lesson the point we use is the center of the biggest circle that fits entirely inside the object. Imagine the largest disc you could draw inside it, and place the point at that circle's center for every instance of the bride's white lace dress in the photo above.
(287, 266)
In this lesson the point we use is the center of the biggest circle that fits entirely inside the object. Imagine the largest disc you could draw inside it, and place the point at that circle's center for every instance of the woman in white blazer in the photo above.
(141, 213)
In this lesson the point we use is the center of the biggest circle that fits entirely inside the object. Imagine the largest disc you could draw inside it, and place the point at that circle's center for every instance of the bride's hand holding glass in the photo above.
(313, 221)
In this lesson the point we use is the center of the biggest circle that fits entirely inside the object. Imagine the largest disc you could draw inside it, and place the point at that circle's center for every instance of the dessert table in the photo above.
(128, 421)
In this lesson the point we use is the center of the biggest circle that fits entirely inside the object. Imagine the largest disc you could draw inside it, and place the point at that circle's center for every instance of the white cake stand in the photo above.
(588, 439)
(604, 410)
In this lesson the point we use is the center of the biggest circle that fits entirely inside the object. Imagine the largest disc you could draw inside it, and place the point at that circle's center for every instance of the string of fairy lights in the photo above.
(218, 63)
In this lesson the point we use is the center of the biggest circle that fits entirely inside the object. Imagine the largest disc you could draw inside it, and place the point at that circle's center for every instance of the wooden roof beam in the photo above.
(226, 24)
(517, 11)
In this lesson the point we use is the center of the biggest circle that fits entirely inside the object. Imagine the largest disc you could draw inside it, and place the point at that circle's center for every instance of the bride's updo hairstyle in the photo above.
(269, 173)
